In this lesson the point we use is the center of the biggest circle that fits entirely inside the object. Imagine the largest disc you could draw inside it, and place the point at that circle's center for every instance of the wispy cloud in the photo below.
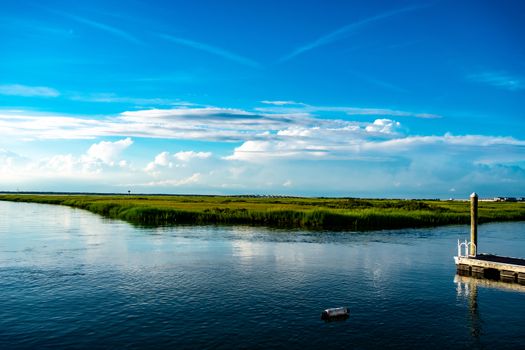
(194, 178)
(499, 79)
(211, 49)
(101, 26)
(282, 103)
(36, 29)
(28, 91)
(113, 98)
(45, 91)
(354, 144)
(195, 123)
(346, 30)
(306, 108)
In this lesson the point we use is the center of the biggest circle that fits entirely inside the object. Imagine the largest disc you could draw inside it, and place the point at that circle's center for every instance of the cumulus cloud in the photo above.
(108, 151)
(164, 159)
(161, 160)
(100, 156)
(101, 161)
(186, 156)
(383, 126)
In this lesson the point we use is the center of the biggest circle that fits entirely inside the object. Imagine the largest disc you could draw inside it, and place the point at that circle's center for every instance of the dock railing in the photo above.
(466, 249)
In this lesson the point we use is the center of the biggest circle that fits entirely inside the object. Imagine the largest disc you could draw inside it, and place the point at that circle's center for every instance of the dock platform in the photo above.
(489, 266)
(499, 268)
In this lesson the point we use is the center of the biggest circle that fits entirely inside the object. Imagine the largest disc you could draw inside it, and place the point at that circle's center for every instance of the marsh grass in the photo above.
(308, 213)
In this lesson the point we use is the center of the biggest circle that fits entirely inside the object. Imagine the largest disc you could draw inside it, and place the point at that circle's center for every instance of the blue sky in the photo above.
(331, 98)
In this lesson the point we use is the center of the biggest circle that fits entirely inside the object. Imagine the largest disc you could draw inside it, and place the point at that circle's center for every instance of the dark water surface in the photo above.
(71, 279)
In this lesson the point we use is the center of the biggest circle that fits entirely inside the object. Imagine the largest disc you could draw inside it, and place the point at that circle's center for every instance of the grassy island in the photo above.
(288, 212)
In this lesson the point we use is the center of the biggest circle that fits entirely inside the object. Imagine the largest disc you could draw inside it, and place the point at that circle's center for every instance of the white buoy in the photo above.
(337, 313)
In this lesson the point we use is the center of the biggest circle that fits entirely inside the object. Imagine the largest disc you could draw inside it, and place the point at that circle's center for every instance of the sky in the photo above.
(404, 99)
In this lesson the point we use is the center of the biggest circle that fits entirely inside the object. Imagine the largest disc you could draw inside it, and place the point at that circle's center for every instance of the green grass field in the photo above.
(309, 213)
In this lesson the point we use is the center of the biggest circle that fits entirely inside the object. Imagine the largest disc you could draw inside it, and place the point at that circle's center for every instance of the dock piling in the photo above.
(473, 223)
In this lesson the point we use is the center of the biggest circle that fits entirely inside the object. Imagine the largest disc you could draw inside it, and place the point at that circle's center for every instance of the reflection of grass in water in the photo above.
(311, 213)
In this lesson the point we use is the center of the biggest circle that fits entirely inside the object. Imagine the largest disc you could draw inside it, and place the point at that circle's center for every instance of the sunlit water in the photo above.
(72, 279)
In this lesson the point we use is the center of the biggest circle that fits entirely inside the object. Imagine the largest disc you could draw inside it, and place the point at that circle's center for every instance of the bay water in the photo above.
(72, 279)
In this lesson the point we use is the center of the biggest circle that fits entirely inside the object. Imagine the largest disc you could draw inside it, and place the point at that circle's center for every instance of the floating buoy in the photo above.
(336, 313)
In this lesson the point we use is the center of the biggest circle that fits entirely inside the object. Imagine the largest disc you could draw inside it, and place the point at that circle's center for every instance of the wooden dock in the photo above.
(494, 267)
(489, 266)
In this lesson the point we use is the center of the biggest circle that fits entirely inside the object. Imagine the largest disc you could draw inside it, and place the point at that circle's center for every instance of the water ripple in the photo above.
(75, 280)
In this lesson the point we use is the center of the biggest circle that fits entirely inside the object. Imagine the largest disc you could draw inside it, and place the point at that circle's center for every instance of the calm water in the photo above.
(69, 278)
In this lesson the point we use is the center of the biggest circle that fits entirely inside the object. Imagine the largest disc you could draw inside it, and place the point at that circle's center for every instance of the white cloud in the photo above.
(194, 178)
(272, 146)
(151, 168)
(101, 26)
(108, 151)
(28, 91)
(188, 123)
(211, 49)
(62, 164)
(44, 126)
(113, 98)
(186, 156)
(331, 139)
(346, 110)
(161, 160)
(281, 103)
(260, 151)
(499, 79)
(9, 162)
(383, 126)
(297, 131)
(466, 141)
(346, 30)
(355, 143)
(99, 157)
(406, 166)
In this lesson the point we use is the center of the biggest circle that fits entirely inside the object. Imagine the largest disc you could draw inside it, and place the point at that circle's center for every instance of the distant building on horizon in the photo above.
(507, 199)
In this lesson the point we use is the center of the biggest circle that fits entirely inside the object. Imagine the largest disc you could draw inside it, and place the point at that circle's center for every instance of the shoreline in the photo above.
(351, 214)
